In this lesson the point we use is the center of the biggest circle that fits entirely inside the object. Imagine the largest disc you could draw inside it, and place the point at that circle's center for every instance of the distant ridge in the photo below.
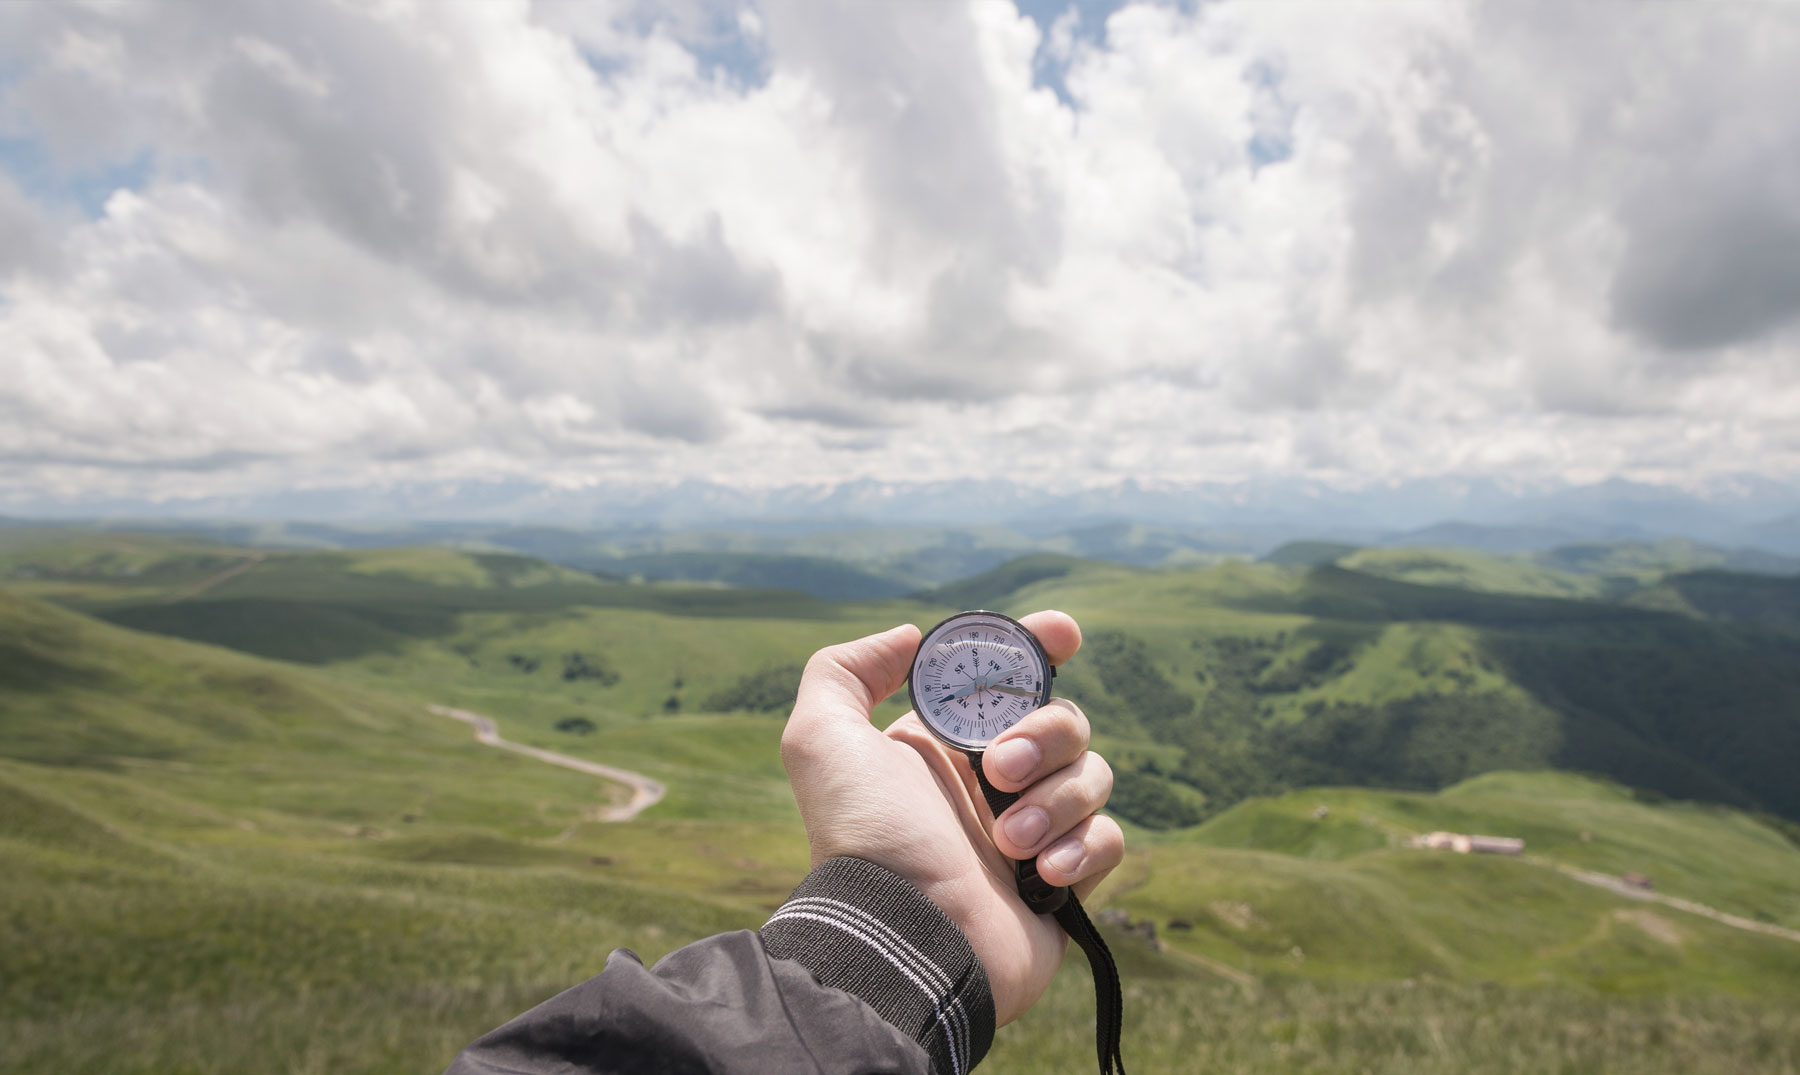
(1492, 538)
(1309, 553)
(1732, 510)
(1238, 679)
(991, 588)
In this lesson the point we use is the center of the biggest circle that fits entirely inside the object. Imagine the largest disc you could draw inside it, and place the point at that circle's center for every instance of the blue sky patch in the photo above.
(28, 162)
(1047, 70)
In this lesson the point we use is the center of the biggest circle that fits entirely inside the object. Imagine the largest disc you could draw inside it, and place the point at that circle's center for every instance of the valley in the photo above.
(232, 816)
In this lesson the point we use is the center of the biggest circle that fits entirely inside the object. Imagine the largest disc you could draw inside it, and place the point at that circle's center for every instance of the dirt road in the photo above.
(645, 792)
(213, 580)
(1614, 884)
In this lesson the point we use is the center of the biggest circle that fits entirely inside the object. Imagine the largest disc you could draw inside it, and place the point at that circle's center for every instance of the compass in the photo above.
(977, 674)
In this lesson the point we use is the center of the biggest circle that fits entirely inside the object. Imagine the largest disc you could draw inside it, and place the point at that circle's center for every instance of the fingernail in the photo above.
(1016, 759)
(1065, 855)
(1027, 827)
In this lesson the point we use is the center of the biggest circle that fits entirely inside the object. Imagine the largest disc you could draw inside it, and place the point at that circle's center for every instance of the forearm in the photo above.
(864, 930)
(857, 972)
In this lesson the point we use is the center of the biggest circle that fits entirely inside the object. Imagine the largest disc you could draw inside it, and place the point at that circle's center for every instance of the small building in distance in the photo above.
(1464, 844)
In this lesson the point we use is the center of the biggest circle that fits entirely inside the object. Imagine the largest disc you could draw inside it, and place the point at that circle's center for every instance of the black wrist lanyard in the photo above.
(1044, 898)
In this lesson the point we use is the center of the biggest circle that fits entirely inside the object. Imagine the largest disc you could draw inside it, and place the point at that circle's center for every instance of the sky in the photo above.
(283, 246)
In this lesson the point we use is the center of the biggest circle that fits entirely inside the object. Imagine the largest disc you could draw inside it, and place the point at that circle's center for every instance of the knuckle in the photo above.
(793, 747)
(821, 663)
(1109, 838)
(1102, 777)
(1062, 720)
(1072, 723)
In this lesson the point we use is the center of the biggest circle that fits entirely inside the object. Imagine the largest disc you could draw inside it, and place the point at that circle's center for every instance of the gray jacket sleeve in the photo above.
(856, 973)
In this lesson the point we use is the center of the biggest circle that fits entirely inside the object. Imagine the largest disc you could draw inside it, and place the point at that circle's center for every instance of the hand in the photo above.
(904, 801)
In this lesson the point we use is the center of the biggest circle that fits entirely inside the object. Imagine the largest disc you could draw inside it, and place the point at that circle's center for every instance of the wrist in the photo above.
(864, 929)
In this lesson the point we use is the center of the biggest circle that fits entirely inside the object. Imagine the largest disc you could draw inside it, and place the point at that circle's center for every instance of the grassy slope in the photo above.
(209, 857)
(1332, 675)
(243, 871)
(333, 606)
(1262, 677)
(1465, 568)
(181, 803)
(1256, 676)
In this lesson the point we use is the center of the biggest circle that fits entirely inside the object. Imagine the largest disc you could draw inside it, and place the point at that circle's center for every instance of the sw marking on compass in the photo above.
(976, 675)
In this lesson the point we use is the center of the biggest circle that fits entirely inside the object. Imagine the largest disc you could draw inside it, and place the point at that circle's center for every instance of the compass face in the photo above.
(976, 675)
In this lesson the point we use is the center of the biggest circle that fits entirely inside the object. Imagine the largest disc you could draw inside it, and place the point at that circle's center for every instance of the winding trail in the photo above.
(1613, 884)
(213, 580)
(645, 792)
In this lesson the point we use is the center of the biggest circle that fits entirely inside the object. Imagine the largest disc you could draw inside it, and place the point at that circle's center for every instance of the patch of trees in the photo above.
(1330, 656)
(507, 570)
(581, 666)
(1132, 678)
(522, 663)
(575, 726)
(1682, 707)
(1232, 748)
(1423, 742)
(1694, 710)
(769, 690)
(1151, 800)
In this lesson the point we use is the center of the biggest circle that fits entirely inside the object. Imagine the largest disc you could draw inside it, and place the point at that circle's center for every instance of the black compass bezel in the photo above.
(1018, 629)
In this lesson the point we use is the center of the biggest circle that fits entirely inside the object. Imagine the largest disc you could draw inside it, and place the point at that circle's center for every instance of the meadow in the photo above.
(235, 839)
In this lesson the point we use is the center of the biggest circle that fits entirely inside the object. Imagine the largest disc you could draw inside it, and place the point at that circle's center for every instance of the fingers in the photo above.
(1043, 742)
(1057, 632)
(843, 683)
(1084, 857)
(1053, 806)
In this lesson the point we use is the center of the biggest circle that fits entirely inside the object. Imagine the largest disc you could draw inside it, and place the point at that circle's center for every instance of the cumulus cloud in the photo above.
(800, 242)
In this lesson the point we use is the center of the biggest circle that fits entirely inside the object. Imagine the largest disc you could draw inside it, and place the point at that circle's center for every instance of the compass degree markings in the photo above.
(988, 663)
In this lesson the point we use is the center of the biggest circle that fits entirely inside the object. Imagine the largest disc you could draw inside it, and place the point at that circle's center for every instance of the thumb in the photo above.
(843, 683)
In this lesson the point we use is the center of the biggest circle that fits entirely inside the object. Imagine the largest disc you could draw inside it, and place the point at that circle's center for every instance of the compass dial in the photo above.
(976, 675)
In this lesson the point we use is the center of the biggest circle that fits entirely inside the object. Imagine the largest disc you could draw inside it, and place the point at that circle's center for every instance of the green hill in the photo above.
(1000, 583)
(1266, 680)
(319, 607)
(1215, 683)
(1610, 570)
(1721, 595)
(1309, 553)
(1470, 570)
(829, 580)
(1321, 883)
(210, 855)
(1650, 559)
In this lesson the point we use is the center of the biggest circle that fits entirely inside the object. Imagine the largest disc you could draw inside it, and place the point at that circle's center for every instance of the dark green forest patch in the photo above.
(767, 691)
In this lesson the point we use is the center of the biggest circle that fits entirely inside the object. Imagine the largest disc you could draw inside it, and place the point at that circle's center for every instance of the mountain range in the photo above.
(1248, 516)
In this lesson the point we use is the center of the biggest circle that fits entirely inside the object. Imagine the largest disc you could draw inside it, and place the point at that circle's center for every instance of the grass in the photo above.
(209, 857)
(187, 831)
(1418, 1027)
(1467, 569)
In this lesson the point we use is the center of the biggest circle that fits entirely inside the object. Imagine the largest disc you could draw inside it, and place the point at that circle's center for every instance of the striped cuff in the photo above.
(866, 931)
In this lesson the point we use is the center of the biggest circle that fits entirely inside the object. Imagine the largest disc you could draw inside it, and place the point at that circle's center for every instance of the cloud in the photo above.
(27, 239)
(589, 243)
(1696, 278)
